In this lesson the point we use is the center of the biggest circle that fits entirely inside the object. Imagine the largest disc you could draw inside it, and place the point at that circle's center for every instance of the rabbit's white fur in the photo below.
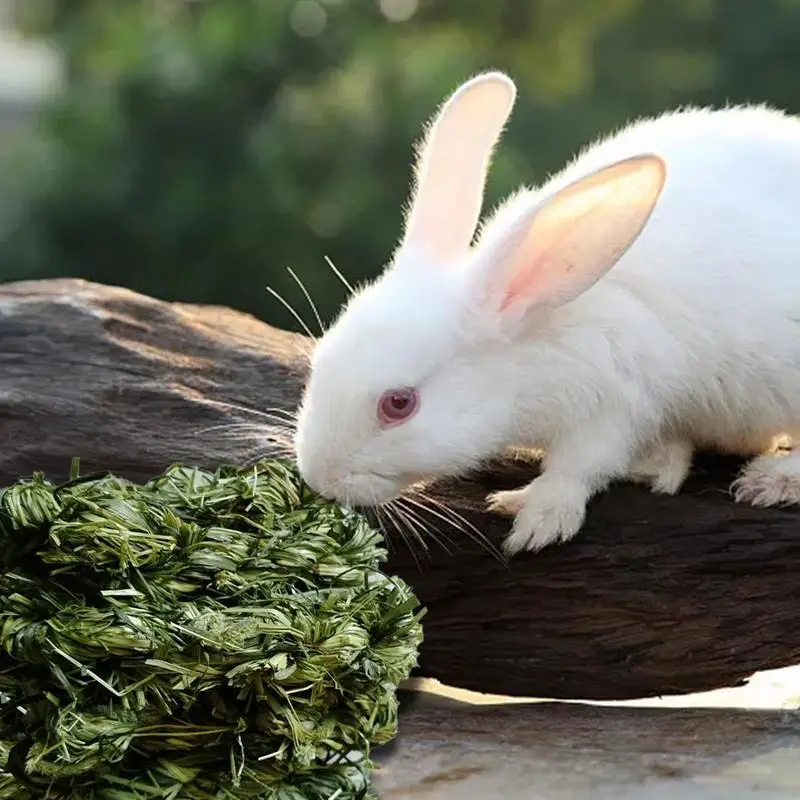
(685, 335)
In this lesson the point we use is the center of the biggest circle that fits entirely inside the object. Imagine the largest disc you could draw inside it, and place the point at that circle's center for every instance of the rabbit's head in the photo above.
(415, 379)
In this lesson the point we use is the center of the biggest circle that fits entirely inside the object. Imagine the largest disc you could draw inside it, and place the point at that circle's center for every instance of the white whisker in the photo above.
(460, 523)
(404, 530)
(289, 414)
(311, 303)
(393, 514)
(382, 523)
(304, 348)
(244, 409)
(256, 427)
(416, 526)
(277, 449)
(339, 275)
(444, 541)
(244, 436)
(294, 313)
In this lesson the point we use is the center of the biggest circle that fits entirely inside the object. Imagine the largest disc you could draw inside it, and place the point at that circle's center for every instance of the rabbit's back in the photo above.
(719, 260)
(716, 269)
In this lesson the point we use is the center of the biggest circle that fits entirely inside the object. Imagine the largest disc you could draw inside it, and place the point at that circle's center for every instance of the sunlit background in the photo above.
(195, 149)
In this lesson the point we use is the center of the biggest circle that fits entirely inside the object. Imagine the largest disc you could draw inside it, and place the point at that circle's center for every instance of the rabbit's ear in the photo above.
(560, 248)
(452, 165)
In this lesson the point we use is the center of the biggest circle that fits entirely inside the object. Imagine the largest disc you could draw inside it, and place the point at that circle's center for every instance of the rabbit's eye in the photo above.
(397, 405)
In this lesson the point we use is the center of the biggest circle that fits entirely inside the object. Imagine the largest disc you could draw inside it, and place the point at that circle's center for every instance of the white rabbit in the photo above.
(530, 338)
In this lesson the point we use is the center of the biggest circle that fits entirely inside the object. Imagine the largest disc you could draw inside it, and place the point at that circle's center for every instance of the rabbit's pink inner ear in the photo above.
(530, 279)
(452, 166)
(581, 232)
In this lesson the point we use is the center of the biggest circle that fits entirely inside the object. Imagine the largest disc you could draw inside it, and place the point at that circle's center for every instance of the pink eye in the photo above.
(397, 405)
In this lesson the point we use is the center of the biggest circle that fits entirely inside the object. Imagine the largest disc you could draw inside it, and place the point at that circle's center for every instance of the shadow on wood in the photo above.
(657, 594)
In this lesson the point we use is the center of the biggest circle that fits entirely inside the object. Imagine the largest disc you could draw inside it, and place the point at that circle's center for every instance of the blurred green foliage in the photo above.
(200, 147)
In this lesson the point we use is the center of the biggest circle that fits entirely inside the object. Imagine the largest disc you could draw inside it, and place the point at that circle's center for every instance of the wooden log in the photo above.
(657, 595)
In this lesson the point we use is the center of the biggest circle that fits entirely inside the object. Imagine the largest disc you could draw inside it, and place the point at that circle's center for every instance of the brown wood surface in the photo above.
(657, 595)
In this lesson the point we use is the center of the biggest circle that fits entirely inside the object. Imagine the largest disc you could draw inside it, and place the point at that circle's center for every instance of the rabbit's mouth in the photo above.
(357, 489)
(370, 489)
(364, 489)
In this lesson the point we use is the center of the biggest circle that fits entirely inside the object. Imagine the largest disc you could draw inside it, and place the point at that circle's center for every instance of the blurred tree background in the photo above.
(198, 148)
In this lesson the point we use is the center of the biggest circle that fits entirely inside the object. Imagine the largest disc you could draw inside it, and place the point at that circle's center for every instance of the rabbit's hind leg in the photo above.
(770, 479)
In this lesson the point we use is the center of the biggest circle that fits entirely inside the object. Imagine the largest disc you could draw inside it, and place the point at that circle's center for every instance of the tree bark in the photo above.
(656, 595)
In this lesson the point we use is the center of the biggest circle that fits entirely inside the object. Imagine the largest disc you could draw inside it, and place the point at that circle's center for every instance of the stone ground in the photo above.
(734, 744)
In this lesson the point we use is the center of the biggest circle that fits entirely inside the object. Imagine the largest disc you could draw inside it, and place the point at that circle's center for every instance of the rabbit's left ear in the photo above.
(559, 249)
(452, 165)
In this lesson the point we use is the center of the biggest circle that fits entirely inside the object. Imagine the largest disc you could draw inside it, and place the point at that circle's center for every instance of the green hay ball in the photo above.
(203, 636)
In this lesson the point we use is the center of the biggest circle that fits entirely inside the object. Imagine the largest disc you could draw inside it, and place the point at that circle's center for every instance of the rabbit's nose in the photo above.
(318, 476)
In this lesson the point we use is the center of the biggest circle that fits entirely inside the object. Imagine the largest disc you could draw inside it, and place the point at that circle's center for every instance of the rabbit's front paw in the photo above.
(509, 503)
(546, 511)
(665, 468)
